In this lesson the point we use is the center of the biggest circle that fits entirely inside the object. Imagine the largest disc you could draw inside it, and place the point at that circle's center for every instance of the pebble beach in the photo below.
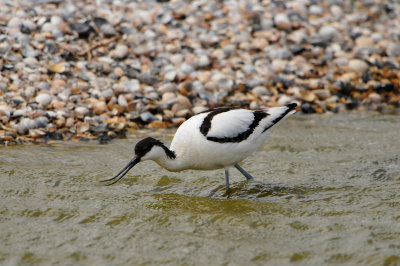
(97, 70)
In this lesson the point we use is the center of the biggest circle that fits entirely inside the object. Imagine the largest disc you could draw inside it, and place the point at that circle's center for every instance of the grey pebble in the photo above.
(327, 33)
(148, 117)
(107, 93)
(41, 122)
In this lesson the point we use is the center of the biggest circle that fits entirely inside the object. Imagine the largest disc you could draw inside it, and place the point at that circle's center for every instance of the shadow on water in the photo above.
(257, 190)
(247, 190)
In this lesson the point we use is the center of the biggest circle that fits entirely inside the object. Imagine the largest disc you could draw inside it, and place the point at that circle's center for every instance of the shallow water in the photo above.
(326, 190)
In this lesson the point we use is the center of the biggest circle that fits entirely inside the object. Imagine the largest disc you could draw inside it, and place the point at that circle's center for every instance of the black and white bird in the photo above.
(214, 139)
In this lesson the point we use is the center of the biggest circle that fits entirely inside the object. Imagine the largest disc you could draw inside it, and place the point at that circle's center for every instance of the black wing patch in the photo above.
(206, 125)
(258, 116)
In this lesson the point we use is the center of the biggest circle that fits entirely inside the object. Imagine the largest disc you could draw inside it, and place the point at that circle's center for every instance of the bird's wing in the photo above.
(235, 125)
(230, 125)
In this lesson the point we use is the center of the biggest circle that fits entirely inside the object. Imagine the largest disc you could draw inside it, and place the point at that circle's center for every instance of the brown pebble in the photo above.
(58, 68)
(99, 108)
(364, 41)
(59, 105)
(58, 85)
(70, 122)
(156, 124)
(131, 106)
(308, 96)
(184, 101)
(118, 71)
(6, 138)
(322, 94)
(117, 125)
(60, 122)
(36, 133)
(82, 127)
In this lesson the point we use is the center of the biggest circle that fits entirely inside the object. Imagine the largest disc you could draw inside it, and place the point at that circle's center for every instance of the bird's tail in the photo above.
(278, 113)
(291, 107)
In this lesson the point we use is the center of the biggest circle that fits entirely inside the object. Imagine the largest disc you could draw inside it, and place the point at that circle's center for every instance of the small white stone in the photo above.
(31, 62)
(29, 25)
(168, 96)
(316, 10)
(170, 75)
(14, 22)
(284, 99)
(55, 20)
(107, 93)
(260, 90)
(203, 61)
(374, 97)
(336, 11)
(358, 65)
(167, 87)
(122, 101)
(327, 33)
(81, 110)
(393, 50)
(199, 109)
(120, 52)
(30, 91)
(282, 21)
(43, 99)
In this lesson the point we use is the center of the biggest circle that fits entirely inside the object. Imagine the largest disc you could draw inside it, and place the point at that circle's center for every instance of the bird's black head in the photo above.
(145, 145)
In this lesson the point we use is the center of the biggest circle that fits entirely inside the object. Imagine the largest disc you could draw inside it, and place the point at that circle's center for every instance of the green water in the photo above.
(326, 191)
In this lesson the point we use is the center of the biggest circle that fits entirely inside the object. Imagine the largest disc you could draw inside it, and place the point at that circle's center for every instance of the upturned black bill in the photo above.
(123, 172)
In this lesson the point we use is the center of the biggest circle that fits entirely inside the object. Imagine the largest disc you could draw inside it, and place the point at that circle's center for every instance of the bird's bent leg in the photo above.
(241, 170)
(227, 179)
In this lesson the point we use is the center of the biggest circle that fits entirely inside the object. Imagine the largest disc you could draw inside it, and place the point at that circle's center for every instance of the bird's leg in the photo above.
(241, 170)
(227, 179)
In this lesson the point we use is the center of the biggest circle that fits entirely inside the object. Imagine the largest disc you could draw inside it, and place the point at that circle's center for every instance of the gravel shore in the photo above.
(88, 70)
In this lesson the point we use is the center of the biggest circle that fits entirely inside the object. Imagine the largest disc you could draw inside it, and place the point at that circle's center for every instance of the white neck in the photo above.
(165, 158)
(171, 164)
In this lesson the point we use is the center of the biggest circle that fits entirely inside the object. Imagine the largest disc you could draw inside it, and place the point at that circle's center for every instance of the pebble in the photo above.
(364, 41)
(81, 111)
(327, 33)
(107, 93)
(120, 51)
(260, 90)
(148, 117)
(43, 99)
(336, 11)
(374, 97)
(122, 101)
(25, 124)
(105, 27)
(393, 50)
(167, 87)
(282, 21)
(285, 99)
(358, 65)
(316, 10)
(43, 86)
(41, 122)
(322, 94)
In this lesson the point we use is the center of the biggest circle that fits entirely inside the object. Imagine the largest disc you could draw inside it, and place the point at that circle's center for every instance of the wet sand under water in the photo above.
(326, 190)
